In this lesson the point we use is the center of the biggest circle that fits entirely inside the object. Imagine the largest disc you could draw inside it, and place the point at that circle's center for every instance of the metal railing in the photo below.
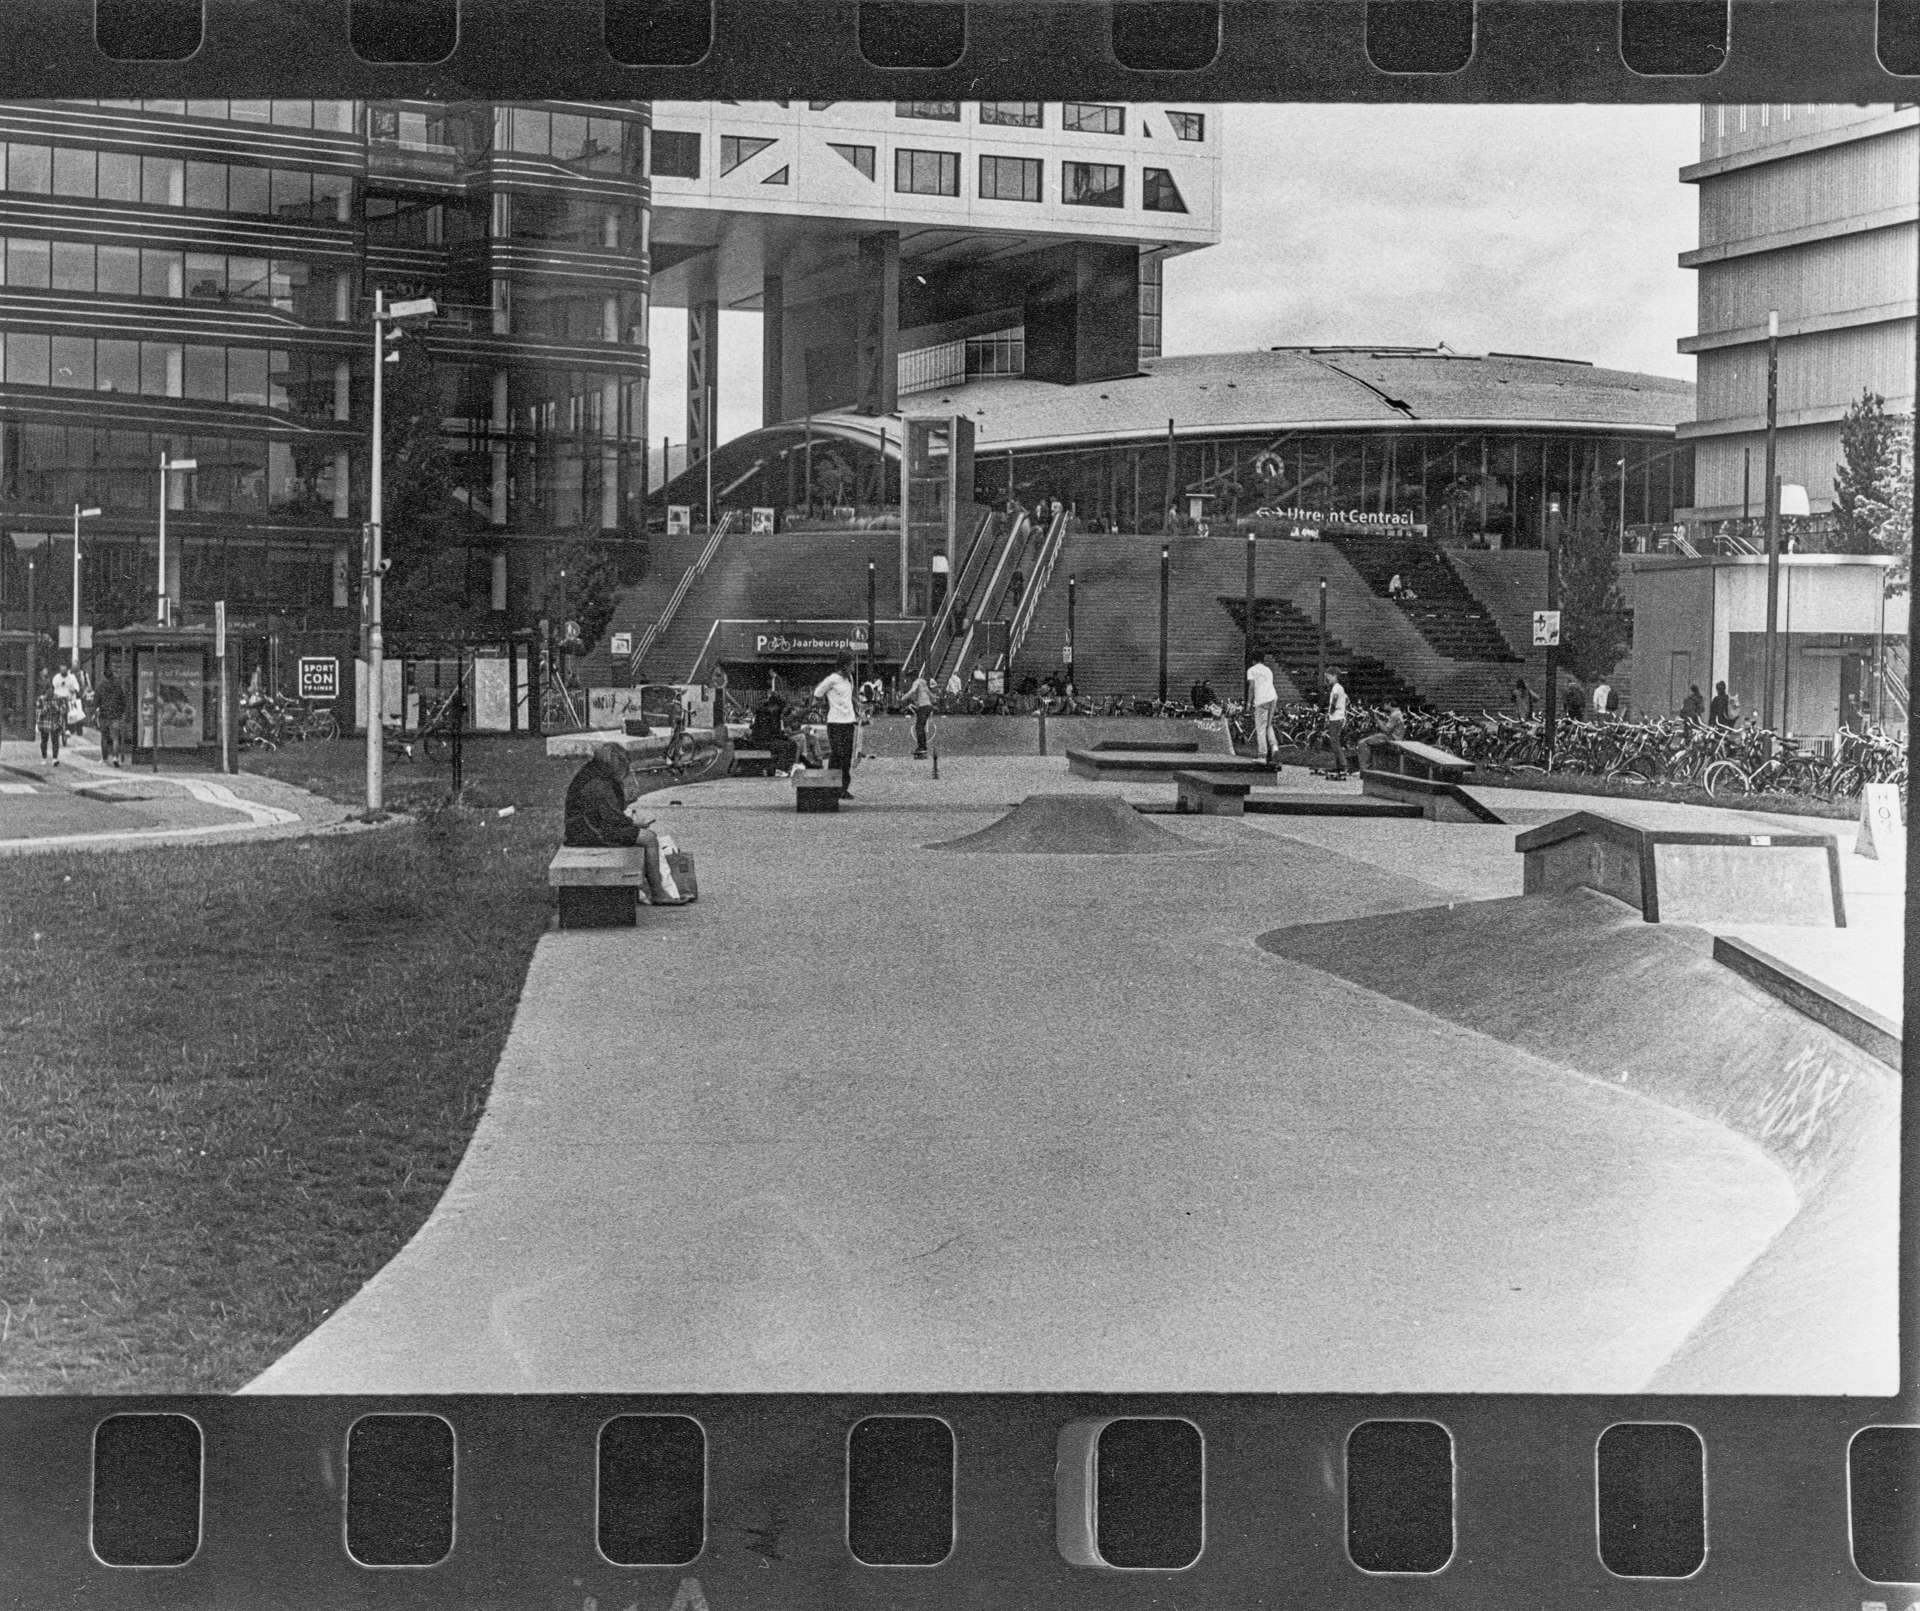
(1042, 574)
(994, 592)
(692, 574)
(941, 638)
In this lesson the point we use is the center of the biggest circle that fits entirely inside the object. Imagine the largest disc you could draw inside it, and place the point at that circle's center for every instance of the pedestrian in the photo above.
(1523, 699)
(50, 719)
(920, 702)
(1336, 723)
(1203, 698)
(110, 711)
(1693, 708)
(1395, 587)
(1576, 701)
(1261, 698)
(843, 720)
(1721, 711)
(1602, 700)
(601, 809)
(1392, 728)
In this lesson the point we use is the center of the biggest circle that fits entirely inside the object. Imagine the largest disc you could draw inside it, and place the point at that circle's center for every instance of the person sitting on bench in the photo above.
(1393, 725)
(769, 732)
(599, 814)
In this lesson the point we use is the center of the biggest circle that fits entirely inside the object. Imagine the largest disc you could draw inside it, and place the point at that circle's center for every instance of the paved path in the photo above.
(81, 804)
(875, 1117)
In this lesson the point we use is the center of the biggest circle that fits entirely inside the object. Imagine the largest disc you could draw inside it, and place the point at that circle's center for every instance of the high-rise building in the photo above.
(1808, 211)
(195, 279)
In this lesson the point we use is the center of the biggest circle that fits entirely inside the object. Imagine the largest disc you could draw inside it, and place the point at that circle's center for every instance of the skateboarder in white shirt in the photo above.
(1261, 698)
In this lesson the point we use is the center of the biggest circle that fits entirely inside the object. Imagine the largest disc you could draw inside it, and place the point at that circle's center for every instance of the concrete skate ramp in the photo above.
(1071, 825)
(1582, 981)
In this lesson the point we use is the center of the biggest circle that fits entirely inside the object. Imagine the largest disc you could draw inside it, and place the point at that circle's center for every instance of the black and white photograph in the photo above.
(1359, 655)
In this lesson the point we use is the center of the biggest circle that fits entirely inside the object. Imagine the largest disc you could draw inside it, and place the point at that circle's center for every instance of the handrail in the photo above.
(941, 639)
(1030, 603)
(699, 660)
(692, 574)
(995, 590)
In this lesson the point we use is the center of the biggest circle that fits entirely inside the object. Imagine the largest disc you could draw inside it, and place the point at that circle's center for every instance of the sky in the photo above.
(1551, 230)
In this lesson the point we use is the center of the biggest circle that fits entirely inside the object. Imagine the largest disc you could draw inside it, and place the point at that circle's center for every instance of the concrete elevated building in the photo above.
(1810, 211)
(892, 247)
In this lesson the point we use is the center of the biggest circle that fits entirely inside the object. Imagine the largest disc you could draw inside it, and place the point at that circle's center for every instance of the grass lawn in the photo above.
(236, 1078)
(497, 770)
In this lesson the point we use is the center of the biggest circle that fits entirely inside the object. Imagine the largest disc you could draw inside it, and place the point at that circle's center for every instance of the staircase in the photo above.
(1292, 638)
(973, 563)
(651, 645)
(989, 601)
(1443, 611)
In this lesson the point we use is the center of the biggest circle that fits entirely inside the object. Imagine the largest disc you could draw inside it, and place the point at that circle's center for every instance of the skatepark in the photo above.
(991, 1081)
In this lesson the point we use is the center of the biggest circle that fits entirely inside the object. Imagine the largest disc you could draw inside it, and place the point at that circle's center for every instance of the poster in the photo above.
(492, 694)
(179, 699)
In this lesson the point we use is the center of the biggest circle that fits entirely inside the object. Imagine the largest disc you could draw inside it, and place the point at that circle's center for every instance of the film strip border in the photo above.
(750, 1502)
(1302, 50)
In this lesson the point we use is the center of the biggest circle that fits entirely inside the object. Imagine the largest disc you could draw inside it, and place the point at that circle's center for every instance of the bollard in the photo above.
(1042, 714)
(935, 750)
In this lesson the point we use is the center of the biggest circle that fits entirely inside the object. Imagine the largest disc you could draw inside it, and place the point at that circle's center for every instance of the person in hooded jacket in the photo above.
(598, 814)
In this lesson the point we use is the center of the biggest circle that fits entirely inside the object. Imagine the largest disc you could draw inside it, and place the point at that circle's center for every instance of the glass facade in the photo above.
(1093, 117)
(927, 173)
(1158, 192)
(1093, 184)
(166, 181)
(1013, 114)
(1010, 178)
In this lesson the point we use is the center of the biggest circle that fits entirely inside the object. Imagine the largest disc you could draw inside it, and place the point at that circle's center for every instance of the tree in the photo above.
(584, 582)
(1596, 628)
(425, 527)
(1869, 453)
(1886, 513)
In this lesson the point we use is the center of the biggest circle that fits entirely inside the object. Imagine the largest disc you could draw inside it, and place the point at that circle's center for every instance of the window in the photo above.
(943, 111)
(1188, 125)
(28, 263)
(30, 168)
(927, 173)
(861, 156)
(1092, 117)
(247, 376)
(118, 270)
(247, 191)
(26, 354)
(73, 362)
(161, 273)
(292, 114)
(1093, 184)
(206, 276)
(292, 194)
(119, 177)
(207, 186)
(160, 368)
(206, 373)
(1158, 192)
(777, 177)
(162, 181)
(72, 171)
(1010, 178)
(818, 106)
(251, 111)
(247, 279)
(72, 266)
(532, 131)
(738, 148)
(1012, 114)
(676, 155)
(569, 136)
(117, 366)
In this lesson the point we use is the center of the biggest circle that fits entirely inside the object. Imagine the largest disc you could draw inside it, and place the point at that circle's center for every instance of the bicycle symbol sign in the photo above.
(1546, 629)
(319, 677)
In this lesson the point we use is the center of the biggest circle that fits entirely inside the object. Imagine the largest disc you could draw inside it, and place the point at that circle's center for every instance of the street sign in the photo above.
(679, 519)
(220, 629)
(762, 520)
(86, 635)
(621, 645)
(1066, 654)
(1546, 629)
(319, 676)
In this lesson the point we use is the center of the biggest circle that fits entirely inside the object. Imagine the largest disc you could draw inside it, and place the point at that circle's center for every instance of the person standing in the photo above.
(1261, 698)
(920, 702)
(1523, 699)
(1602, 700)
(110, 711)
(50, 719)
(1337, 723)
(1693, 708)
(1576, 701)
(843, 720)
(1720, 711)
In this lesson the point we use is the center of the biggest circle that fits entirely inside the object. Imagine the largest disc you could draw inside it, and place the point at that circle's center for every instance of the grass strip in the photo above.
(235, 1079)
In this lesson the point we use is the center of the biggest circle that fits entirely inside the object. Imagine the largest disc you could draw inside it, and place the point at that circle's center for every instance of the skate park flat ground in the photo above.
(872, 1116)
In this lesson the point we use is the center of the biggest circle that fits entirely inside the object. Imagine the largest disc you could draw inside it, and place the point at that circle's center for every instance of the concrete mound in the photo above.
(1070, 825)
(1582, 981)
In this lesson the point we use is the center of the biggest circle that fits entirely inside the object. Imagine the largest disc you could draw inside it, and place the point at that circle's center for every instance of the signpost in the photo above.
(1881, 836)
(1546, 629)
(319, 677)
(220, 667)
(762, 521)
(679, 519)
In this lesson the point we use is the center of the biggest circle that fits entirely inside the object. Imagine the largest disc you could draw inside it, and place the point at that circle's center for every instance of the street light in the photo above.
(375, 564)
(166, 465)
(79, 515)
(1622, 466)
(1772, 485)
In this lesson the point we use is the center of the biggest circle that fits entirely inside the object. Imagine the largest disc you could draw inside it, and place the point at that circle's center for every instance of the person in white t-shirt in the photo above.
(1261, 698)
(1336, 723)
(843, 720)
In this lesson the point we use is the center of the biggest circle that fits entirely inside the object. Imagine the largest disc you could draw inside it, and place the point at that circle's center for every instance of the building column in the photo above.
(773, 353)
(877, 325)
(1082, 313)
(497, 422)
(703, 371)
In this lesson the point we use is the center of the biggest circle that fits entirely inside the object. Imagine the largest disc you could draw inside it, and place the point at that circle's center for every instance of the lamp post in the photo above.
(1071, 589)
(1320, 644)
(375, 563)
(165, 612)
(1621, 465)
(33, 644)
(79, 515)
(1773, 517)
(1246, 636)
(1165, 567)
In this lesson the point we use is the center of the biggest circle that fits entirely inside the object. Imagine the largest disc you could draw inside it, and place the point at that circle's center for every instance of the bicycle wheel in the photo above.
(1642, 769)
(1726, 778)
(323, 725)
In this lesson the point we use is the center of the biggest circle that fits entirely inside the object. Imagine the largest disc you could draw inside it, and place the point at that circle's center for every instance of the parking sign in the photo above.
(1546, 629)
(319, 676)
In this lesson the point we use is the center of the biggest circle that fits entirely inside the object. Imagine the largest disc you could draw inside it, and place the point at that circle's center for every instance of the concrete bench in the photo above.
(816, 791)
(753, 763)
(1210, 794)
(598, 885)
(1406, 757)
(1681, 877)
(1149, 746)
